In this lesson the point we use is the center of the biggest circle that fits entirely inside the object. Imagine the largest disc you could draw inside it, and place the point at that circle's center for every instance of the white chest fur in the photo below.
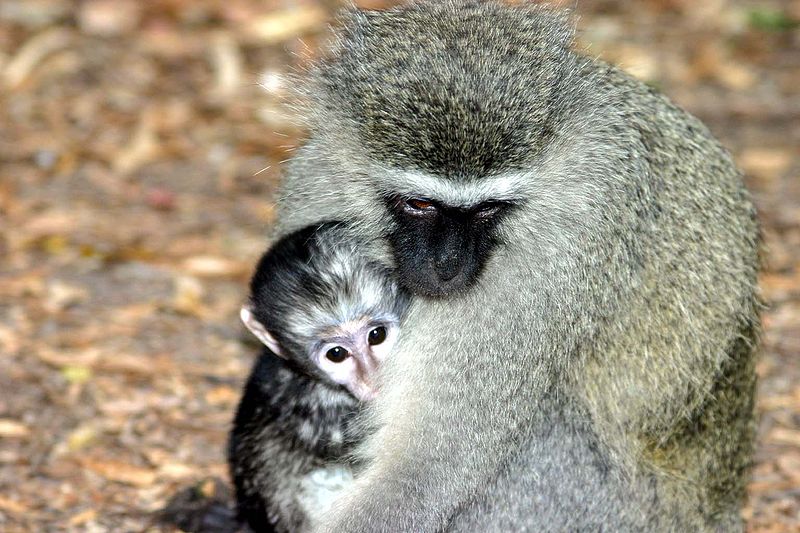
(320, 488)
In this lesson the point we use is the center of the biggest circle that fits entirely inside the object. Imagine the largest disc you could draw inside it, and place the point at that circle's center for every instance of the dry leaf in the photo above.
(81, 437)
(131, 314)
(121, 472)
(134, 364)
(226, 58)
(12, 428)
(223, 396)
(209, 266)
(68, 358)
(735, 76)
(76, 374)
(789, 464)
(27, 284)
(52, 222)
(32, 53)
(61, 295)
(10, 340)
(637, 61)
(188, 298)
(81, 518)
(123, 407)
(174, 470)
(779, 286)
(11, 506)
(765, 163)
(141, 149)
(280, 26)
(108, 17)
(782, 401)
(784, 436)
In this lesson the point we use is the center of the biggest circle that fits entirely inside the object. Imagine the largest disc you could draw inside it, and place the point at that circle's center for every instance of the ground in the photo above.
(140, 147)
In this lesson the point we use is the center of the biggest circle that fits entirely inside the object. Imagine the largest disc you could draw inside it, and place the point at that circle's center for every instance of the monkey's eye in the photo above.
(337, 354)
(489, 209)
(420, 205)
(376, 336)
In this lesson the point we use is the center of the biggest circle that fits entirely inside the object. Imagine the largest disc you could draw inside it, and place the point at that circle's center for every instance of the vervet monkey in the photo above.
(327, 317)
(578, 353)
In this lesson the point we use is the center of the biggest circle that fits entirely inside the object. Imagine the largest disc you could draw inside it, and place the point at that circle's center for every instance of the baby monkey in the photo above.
(327, 317)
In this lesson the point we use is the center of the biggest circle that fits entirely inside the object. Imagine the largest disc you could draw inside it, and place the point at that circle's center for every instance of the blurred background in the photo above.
(140, 148)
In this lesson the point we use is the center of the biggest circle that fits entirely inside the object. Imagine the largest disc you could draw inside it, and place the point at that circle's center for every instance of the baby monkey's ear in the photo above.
(258, 329)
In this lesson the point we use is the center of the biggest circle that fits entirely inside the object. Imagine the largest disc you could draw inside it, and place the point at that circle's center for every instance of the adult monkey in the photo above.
(580, 351)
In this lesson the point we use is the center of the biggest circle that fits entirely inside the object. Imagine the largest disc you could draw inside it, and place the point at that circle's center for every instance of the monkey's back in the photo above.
(683, 349)
(658, 407)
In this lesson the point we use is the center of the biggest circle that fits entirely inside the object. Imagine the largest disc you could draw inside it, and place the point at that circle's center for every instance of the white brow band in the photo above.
(507, 187)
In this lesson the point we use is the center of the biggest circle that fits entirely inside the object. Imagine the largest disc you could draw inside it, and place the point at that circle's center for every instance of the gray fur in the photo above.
(618, 317)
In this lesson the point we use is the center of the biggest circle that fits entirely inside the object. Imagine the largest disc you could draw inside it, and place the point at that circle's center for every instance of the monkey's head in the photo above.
(428, 133)
(319, 303)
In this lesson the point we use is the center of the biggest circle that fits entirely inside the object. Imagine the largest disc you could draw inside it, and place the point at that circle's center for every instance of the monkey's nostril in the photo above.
(447, 269)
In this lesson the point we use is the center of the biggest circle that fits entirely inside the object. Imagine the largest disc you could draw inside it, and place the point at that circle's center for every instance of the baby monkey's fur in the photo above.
(289, 445)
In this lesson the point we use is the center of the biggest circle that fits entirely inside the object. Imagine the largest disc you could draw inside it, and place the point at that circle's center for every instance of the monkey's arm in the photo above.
(563, 480)
(447, 418)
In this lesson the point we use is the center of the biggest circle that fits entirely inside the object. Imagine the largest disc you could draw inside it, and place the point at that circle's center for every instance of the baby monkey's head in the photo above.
(319, 302)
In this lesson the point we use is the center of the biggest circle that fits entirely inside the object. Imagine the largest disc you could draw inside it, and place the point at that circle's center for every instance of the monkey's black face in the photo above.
(440, 249)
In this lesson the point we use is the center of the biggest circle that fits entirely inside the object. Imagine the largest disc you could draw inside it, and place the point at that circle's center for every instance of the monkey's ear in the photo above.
(258, 329)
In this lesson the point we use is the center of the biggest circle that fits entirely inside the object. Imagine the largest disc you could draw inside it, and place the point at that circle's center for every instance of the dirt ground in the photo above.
(140, 147)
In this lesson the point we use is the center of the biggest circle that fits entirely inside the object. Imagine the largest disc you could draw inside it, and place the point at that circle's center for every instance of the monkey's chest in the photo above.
(321, 487)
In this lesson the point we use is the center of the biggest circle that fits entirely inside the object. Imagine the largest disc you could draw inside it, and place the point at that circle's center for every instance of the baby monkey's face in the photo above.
(348, 353)
(351, 353)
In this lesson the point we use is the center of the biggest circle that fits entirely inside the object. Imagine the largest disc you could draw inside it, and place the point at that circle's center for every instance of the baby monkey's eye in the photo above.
(337, 354)
(376, 336)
